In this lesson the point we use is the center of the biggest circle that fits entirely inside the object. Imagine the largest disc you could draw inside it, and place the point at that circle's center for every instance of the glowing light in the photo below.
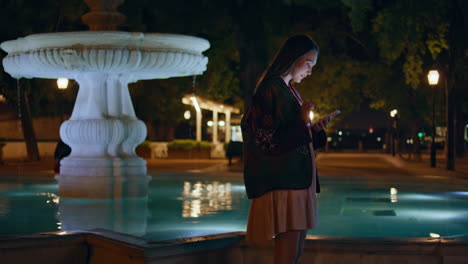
(329, 139)
(371, 130)
(393, 113)
(62, 83)
(379, 139)
(420, 134)
(205, 198)
(461, 193)
(311, 115)
(433, 77)
(210, 123)
(221, 123)
(2, 98)
(187, 115)
(340, 133)
(55, 198)
(434, 235)
(431, 214)
(393, 195)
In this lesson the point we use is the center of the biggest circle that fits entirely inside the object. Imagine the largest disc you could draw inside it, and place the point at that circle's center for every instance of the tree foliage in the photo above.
(371, 51)
(407, 31)
(19, 18)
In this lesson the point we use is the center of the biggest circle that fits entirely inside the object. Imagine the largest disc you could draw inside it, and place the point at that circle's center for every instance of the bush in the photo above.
(188, 144)
(145, 144)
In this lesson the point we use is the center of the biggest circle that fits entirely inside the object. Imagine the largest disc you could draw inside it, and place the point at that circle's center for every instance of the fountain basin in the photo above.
(137, 55)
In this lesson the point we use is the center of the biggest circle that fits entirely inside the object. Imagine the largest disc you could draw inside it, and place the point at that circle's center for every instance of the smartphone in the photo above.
(331, 115)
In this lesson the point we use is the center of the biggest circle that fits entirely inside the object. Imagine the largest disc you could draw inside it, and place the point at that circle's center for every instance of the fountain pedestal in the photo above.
(103, 132)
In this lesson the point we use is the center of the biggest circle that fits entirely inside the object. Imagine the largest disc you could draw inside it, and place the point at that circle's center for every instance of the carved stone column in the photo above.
(103, 133)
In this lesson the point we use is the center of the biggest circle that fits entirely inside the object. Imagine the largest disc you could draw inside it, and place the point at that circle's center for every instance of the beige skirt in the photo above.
(280, 211)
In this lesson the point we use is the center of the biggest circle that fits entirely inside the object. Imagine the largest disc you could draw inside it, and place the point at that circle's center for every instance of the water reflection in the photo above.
(393, 195)
(4, 207)
(51, 197)
(205, 198)
(127, 215)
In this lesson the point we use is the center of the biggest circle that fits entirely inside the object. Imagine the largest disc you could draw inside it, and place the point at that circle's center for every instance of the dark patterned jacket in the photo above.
(276, 142)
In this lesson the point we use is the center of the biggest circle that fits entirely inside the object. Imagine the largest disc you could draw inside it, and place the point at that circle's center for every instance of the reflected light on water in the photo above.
(461, 193)
(54, 197)
(4, 207)
(393, 195)
(205, 198)
(429, 214)
(419, 196)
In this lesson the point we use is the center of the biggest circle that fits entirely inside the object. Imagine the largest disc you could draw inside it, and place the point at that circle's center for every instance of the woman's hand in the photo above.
(321, 124)
(306, 107)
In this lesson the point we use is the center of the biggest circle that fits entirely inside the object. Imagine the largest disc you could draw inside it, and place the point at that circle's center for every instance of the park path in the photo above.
(383, 167)
(331, 166)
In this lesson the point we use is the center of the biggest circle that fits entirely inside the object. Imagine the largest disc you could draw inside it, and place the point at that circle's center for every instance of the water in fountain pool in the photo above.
(185, 206)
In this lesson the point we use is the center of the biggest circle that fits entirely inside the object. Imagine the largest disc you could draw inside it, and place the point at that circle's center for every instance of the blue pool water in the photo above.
(191, 206)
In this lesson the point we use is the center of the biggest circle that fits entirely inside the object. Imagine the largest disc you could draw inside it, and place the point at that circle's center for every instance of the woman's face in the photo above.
(302, 67)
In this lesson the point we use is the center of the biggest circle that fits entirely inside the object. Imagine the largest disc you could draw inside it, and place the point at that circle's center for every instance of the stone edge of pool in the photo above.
(104, 246)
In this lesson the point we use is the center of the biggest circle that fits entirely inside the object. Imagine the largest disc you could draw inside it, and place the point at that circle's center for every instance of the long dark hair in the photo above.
(292, 49)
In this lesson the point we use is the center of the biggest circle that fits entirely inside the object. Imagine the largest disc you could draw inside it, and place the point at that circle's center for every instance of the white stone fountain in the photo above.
(103, 130)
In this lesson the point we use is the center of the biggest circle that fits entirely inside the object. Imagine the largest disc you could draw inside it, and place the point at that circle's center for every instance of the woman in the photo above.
(280, 173)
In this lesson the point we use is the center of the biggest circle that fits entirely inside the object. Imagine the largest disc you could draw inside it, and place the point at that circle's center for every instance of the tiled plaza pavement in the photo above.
(357, 166)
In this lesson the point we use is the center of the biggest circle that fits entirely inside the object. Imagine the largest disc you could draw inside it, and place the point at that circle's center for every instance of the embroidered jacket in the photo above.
(276, 142)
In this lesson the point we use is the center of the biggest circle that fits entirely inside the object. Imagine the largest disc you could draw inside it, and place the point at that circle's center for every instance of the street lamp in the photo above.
(62, 83)
(393, 115)
(187, 115)
(433, 79)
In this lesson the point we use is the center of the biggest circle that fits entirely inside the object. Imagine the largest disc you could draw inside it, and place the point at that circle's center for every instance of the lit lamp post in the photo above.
(393, 115)
(433, 79)
(62, 83)
(187, 115)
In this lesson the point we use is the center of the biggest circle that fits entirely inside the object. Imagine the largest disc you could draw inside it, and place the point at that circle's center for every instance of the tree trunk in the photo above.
(415, 147)
(459, 132)
(27, 126)
(250, 35)
(449, 140)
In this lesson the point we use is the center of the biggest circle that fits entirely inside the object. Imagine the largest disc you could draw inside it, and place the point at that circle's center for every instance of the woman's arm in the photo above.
(318, 132)
(319, 138)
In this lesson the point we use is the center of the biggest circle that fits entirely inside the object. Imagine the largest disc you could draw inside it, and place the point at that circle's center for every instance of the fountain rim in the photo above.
(116, 39)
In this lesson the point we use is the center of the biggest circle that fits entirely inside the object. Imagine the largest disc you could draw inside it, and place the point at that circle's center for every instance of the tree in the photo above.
(419, 35)
(18, 19)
